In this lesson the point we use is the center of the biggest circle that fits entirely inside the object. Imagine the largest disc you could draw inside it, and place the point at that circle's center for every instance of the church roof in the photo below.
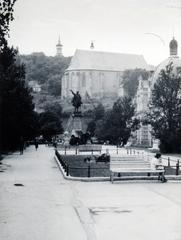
(95, 60)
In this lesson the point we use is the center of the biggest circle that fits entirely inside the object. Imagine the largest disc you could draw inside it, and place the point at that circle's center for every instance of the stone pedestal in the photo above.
(74, 125)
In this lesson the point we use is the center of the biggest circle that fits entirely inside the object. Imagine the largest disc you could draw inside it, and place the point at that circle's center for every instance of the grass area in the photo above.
(78, 167)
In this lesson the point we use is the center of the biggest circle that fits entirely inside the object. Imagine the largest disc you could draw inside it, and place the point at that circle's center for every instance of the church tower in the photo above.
(59, 48)
(92, 45)
(173, 47)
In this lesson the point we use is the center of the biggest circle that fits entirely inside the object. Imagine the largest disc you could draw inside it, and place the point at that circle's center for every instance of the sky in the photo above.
(142, 27)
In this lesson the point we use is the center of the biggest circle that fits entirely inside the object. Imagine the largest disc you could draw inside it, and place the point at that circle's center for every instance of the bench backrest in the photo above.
(129, 162)
(91, 147)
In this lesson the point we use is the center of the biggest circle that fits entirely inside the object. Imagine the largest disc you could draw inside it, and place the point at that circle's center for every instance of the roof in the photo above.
(106, 61)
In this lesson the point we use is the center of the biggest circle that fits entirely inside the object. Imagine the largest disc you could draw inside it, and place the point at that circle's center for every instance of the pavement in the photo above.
(37, 203)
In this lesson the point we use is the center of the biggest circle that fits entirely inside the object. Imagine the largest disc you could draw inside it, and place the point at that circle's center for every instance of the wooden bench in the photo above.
(90, 148)
(133, 164)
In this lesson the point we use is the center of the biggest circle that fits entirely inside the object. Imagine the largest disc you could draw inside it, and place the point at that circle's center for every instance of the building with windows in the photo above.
(98, 74)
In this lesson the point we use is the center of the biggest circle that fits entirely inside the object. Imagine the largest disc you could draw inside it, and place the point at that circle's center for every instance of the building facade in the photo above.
(98, 74)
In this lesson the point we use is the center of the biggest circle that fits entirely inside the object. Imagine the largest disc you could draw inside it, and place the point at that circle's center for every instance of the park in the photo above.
(90, 130)
(43, 204)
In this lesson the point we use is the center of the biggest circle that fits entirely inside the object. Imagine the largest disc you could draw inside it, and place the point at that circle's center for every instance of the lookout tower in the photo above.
(173, 47)
(59, 48)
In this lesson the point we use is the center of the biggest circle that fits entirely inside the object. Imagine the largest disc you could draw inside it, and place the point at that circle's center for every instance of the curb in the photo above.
(107, 179)
(85, 179)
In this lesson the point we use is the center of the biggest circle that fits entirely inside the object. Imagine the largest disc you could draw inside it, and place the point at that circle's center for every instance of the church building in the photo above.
(98, 74)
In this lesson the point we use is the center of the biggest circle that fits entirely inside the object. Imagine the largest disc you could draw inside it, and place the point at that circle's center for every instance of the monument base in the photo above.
(74, 125)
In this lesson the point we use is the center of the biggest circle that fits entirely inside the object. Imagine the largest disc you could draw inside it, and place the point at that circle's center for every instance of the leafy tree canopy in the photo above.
(6, 15)
(130, 80)
(17, 115)
(50, 121)
(117, 123)
(47, 71)
(165, 110)
(97, 114)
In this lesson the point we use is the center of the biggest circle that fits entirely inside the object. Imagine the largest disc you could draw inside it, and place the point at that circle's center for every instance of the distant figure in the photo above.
(76, 101)
(21, 145)
(156, 162)
(36, 144)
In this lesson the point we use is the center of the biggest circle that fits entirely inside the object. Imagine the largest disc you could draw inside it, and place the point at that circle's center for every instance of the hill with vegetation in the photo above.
(47, 72)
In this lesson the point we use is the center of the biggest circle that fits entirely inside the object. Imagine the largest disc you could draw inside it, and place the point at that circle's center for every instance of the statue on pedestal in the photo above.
(76, 101)
(74, 124)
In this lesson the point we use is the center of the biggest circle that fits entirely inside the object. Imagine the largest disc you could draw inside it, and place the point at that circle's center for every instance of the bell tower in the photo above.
(59, 47)
(173, 47)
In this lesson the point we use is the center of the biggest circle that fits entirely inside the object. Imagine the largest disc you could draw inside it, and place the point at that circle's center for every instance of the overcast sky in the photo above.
(125, 26)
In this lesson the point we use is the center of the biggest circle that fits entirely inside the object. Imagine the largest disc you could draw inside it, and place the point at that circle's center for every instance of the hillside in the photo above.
(46, 72)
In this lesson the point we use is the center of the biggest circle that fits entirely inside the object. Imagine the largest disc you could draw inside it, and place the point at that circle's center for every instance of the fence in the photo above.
(91, 169)
(172, 165)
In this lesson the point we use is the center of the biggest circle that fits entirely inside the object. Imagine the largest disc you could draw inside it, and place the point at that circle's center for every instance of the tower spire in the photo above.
(173, 47)
(59, 48)
(59, 40)
(92, 45)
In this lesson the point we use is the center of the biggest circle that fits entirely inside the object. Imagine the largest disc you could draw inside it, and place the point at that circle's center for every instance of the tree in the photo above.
(17, 118)
(50, 121)
(165, 110)
(91, 127)
(6, 15)
(54, 108)
(98, 114)
(130, 80)
(17, 109)
(54, 85)
(44, 69)
(117, 124)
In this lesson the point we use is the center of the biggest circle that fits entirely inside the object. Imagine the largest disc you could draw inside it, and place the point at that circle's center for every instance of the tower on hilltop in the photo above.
(173, 47)
(92, 45)
(59, 47)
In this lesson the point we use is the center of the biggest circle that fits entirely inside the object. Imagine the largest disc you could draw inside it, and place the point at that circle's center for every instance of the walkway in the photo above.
(48, 207)
(42, 209)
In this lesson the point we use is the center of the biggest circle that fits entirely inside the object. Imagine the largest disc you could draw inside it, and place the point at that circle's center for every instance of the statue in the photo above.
(76, 101)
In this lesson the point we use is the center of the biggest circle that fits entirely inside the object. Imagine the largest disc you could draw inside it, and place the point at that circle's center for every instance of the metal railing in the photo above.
(172, 164)
(87, 171)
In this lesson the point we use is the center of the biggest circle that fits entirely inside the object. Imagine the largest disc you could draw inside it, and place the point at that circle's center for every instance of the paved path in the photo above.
(48, 207)
(44, 208)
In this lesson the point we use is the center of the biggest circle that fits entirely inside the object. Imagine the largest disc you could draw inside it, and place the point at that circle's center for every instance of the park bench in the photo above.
(135, 165)
(90, 148)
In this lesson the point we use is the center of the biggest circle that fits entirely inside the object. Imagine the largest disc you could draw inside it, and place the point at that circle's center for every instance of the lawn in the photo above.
(78, 167)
